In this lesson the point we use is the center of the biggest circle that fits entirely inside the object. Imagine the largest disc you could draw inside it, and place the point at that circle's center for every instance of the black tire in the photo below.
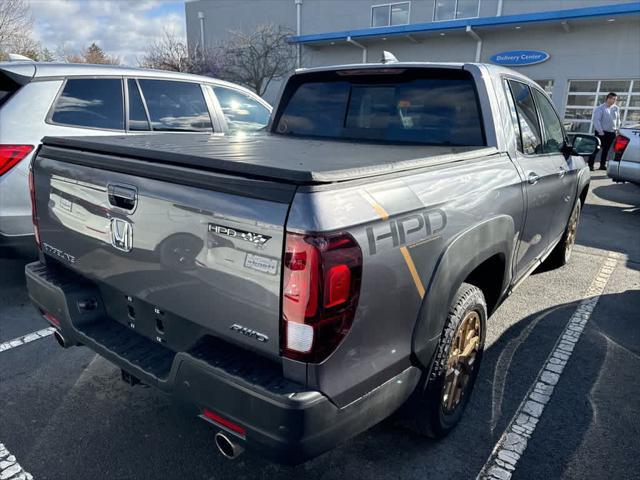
(429, 413)
(561, 253)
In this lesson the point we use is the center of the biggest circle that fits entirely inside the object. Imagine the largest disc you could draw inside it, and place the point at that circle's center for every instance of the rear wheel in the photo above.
(561, 254)
(443, 398)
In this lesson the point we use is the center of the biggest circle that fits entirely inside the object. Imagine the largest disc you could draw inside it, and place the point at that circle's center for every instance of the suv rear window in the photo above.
(419, 106)
(91, 102)
(7, 88)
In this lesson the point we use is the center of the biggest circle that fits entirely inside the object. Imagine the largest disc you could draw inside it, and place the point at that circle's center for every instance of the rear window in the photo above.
(433, 107)
(176, 106)
(7, 88)
(91, 102)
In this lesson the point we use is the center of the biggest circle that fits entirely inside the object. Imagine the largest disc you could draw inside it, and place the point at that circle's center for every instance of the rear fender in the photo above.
(466, 252)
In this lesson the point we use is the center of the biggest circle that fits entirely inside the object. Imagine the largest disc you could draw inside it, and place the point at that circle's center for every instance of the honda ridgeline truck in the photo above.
(297, 287)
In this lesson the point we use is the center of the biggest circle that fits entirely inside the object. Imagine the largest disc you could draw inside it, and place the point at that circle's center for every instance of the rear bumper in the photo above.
(283, 420)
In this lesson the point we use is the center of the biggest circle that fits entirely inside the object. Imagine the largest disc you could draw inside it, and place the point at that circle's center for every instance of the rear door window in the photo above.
(176, 106)
(552, 127)
(241, 111)
(91, 102)
(138, 120)
(527, 117)
(433, 107)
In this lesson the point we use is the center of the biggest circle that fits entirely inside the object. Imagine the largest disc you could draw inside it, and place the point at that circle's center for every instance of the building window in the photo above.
(584, 95)
(546, 85)
(452, 9)
(390, 14)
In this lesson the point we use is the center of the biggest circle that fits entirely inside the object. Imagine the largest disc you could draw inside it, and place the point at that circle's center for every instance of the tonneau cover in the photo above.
(272, 156)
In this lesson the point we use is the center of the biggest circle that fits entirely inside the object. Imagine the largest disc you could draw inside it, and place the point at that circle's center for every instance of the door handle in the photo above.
(122, 196)
(563, 172)
(533, 178)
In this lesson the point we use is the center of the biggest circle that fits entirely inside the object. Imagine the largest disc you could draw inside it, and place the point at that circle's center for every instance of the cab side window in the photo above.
(553, 131)
(241, 111)
(514, 115)
(527, 118)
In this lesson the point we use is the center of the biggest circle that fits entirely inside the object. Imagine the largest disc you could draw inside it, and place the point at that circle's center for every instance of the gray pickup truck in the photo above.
(297, 287)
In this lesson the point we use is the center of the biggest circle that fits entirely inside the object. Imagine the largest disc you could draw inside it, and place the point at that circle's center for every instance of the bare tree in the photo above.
(168, 53)
(15, 20)
(93, 54)
(172, 53)
(255, 59)
(15, 30)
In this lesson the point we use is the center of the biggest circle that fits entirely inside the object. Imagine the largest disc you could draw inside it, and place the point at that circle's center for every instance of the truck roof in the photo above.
(270, 156)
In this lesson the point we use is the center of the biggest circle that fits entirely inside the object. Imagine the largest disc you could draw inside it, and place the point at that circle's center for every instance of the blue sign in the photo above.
(516, 58)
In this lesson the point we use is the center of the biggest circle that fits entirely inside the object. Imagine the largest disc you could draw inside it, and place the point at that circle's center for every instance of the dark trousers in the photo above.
(606, 141)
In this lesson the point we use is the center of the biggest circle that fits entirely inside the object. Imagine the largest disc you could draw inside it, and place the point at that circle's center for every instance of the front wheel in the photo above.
(561, 254)
(444, 396)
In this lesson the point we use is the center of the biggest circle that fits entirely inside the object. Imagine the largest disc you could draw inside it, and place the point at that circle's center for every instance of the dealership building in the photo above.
(578, 50)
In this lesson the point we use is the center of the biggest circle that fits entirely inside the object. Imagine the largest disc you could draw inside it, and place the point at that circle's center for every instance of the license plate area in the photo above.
(154, 323)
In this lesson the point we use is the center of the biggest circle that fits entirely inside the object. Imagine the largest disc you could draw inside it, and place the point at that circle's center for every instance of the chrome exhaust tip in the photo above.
(227, 447)
(60, 339)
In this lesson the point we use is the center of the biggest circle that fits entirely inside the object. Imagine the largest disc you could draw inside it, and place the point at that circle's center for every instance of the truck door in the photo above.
(567, 171)
(541, 177)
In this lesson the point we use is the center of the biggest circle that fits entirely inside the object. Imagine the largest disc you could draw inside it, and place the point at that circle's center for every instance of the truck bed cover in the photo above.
(274, 157)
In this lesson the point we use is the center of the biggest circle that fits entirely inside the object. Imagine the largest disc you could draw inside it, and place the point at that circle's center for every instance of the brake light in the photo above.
(34, 211)
(10, 156)
(321, 286)
(620, 145)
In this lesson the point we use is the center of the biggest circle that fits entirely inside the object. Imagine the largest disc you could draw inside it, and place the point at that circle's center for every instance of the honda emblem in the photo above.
(121, 234)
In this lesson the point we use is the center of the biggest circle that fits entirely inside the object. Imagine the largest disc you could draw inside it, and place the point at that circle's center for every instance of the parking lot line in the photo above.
(10, 469)
(29, 337)
(513, 442)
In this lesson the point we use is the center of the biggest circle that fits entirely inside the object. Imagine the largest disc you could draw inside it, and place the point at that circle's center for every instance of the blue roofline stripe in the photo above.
(575, 13)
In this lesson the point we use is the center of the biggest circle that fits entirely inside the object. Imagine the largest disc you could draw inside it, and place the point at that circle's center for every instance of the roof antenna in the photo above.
(16, 57)
(388, 57)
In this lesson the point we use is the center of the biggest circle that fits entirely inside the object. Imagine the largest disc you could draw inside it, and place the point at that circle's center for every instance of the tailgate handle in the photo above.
(122, 196)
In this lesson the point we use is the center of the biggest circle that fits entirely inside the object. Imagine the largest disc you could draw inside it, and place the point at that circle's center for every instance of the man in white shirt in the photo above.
(606, 122)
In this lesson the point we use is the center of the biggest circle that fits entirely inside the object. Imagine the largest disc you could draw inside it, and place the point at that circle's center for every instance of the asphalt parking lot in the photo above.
(67, 414)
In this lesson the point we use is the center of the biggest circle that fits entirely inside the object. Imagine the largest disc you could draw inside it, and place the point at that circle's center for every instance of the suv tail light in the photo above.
(619, 146)
(320, 293)
(10, 156)
(34, 211)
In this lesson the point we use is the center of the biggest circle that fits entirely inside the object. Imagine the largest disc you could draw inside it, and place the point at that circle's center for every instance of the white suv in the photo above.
(48, 99)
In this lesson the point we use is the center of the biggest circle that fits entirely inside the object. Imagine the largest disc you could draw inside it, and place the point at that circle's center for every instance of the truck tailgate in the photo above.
(175, 262)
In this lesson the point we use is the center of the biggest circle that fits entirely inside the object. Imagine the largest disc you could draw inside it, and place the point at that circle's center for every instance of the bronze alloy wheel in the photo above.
(572, 228)
(461, 362)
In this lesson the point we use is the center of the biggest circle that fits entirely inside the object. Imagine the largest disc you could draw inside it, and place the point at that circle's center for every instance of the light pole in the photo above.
(201, 17)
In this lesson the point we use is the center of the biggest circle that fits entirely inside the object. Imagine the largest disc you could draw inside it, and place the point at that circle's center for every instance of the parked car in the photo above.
(39, 99)
(625, 164)
(317, 278)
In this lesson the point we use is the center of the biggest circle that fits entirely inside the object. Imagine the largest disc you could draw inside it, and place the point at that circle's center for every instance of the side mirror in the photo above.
(583, 144)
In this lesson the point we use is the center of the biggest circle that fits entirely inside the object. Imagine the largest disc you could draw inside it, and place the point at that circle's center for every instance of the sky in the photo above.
(120, 27)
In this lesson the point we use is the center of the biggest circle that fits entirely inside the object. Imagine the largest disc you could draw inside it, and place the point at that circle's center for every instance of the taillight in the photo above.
(620, 145)
(321, 286)
(10, 156)
(34, 211)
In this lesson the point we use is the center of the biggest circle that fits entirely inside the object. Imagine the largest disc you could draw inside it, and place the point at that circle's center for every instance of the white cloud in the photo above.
(120, 27)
